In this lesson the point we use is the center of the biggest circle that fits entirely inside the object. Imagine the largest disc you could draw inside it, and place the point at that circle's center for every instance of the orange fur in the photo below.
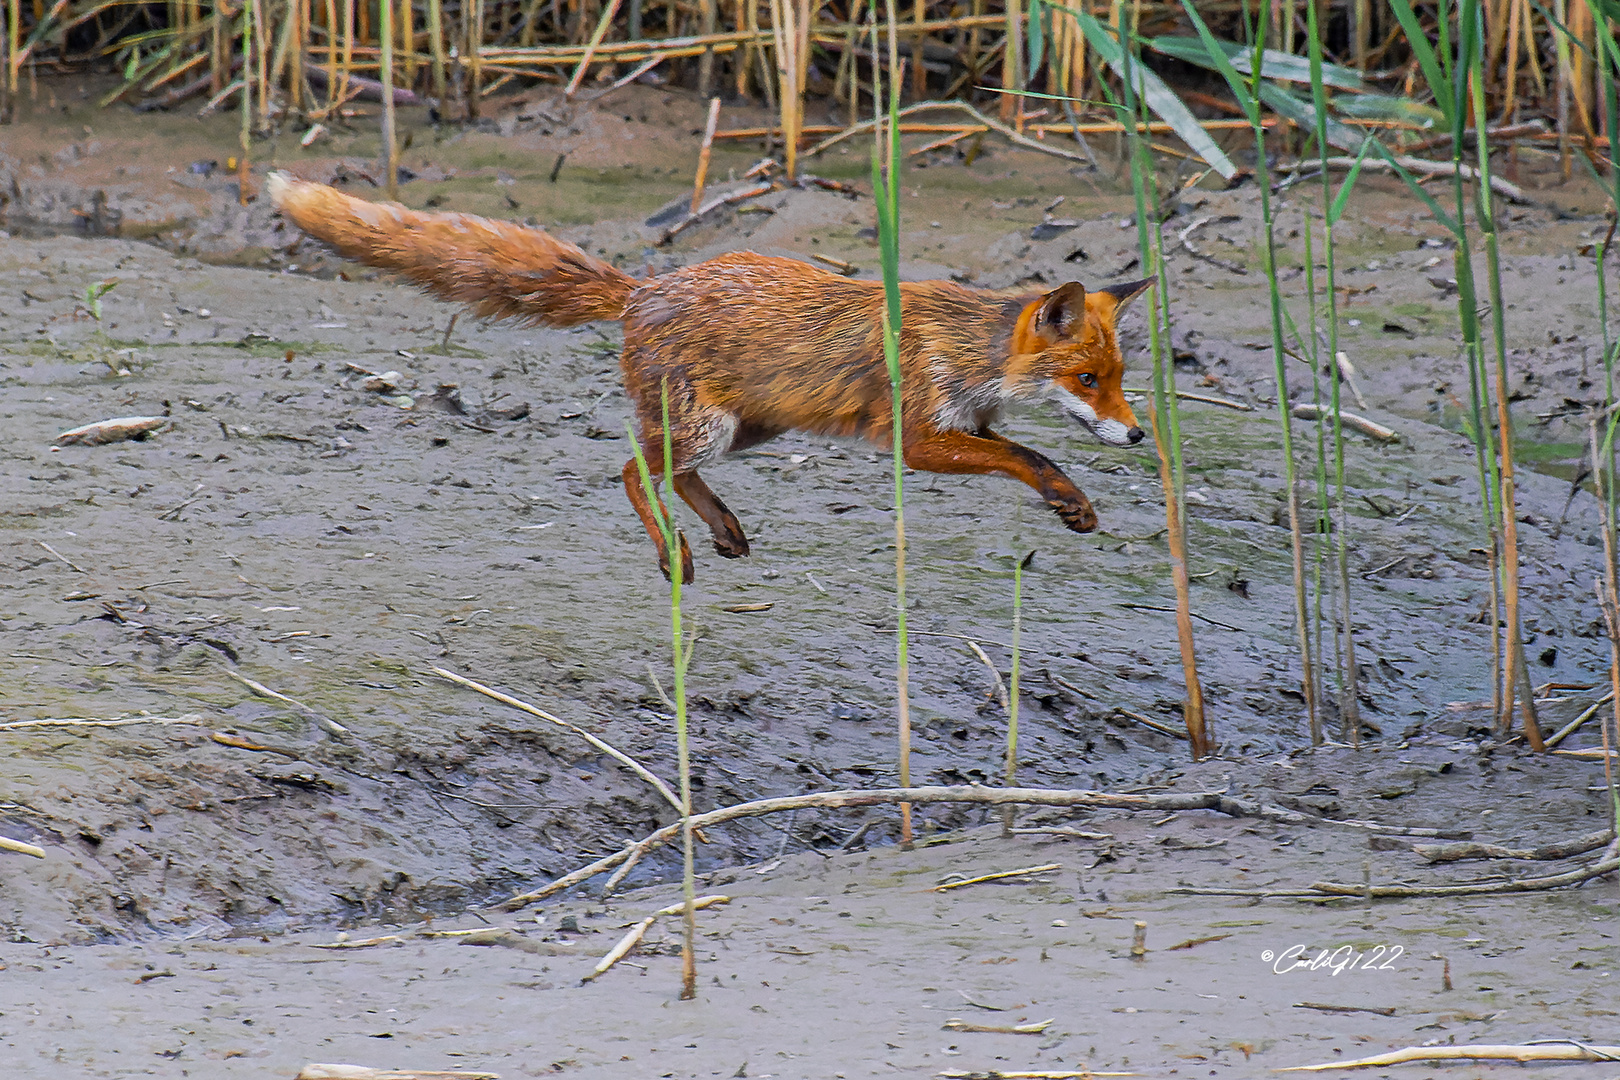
(749, 346)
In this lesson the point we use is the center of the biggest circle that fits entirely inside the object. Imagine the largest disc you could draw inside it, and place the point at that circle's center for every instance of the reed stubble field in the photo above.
(293, 526)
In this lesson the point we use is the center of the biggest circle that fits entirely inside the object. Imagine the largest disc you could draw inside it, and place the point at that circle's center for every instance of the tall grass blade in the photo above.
(886, 160)
(1164, 411)
(1247, 92)
(1146, 85)
(1273, 64)
(1011, 778)
(1333, 208)
(682, 656)
(1470, 40)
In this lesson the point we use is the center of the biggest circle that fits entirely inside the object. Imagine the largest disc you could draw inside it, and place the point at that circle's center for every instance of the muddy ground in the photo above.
(295, 528)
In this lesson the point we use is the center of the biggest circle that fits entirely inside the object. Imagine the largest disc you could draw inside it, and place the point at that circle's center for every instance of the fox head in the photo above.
(1066, 338)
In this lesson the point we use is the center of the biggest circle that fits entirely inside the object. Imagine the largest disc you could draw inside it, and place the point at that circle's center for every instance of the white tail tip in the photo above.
(279, 184)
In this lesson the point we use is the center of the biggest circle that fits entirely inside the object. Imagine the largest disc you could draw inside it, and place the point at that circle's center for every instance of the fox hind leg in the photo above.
(729, 539)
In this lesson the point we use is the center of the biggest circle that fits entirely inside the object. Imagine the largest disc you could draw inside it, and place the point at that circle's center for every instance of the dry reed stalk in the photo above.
(1199, 737)
(706, 22)
(787, 59)
(13, 43)
(218, 64)
(407, 40)
(743, 65)
(703, 154)
(436, 45)
(1565, 75)
(247, 102)
(919, 73)
(302, 8)
(602, 26)
(340, 88)
(849, 67)
(390, 149)
(284, 44)
(261, 42)
(473, 15)
(1581, 27)
(1012, 105)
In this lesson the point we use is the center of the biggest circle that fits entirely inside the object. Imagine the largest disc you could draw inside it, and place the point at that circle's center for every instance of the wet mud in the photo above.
(334, 539)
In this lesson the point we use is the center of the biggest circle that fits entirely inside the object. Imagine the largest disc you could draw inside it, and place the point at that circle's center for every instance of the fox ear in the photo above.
(1060, 310)
(1123, 294)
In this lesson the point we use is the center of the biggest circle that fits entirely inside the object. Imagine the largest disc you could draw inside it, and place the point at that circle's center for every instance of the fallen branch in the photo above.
(639, 931)
(1561, 1051)
(1580, 845)
(623, 759)
(362, 87)
(972, 793)
(1511, 192)
(1308, 411)
(1207, 399)
(1025, 872)
(709, 207)
(1486, 888)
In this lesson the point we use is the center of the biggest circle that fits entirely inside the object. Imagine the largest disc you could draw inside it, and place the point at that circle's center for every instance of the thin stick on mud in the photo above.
(639, 931)
(971, 794)
(1563, 1050)
(91, 721)
(322, 1071)
(21, 848)
(998, 689)
(332, 727)
(622, 758)
(703, 154)
(1045, 868)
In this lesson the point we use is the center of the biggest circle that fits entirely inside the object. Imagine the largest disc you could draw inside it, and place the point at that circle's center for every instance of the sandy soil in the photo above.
(293, 527)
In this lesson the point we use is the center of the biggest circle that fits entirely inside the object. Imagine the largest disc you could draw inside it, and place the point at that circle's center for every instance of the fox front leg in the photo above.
(987, 452)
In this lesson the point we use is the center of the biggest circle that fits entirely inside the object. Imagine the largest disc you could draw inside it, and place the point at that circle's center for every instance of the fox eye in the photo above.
(1088, 379)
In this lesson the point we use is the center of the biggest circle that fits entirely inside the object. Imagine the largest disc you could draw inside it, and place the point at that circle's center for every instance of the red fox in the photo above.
(751, 346)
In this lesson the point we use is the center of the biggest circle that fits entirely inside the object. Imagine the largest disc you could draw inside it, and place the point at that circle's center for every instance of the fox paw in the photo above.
(686, 561)
(732, 547)
(1078, 516)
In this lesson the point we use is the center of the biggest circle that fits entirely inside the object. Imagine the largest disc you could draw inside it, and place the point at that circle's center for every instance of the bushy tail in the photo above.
(498, 269)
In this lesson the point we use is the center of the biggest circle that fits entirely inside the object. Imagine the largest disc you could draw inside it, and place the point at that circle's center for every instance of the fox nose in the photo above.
(1134, 435)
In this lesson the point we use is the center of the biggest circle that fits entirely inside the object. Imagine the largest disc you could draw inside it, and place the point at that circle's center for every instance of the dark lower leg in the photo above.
(729, 539)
